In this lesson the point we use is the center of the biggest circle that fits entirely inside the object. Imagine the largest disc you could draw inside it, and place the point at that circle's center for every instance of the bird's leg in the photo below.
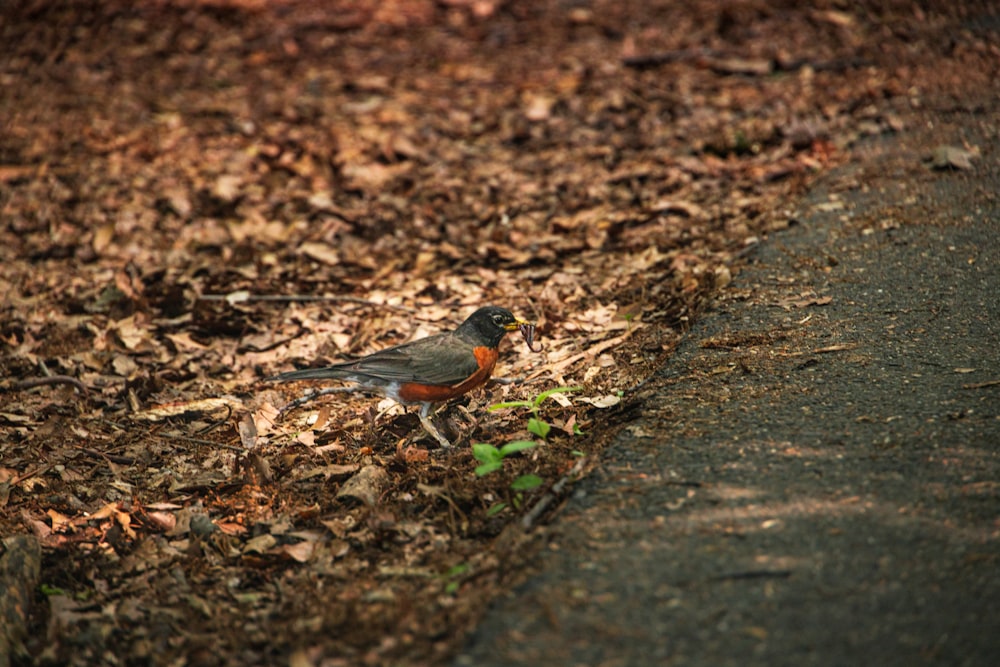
(430, 428)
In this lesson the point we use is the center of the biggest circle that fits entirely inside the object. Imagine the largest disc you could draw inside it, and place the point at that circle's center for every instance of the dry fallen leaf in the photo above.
(804, 301)
(952, 157)
(204, 405)
(365, 486)
(606, 401)
(321, 252)
(164, 521)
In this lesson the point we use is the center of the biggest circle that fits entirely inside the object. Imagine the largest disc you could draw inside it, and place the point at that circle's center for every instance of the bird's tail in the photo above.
(325, 373)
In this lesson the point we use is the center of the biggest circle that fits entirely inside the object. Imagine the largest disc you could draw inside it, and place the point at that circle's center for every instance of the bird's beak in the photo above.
(515, 325)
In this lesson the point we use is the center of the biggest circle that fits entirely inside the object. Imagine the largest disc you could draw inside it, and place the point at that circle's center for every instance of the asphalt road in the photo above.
(814, 476)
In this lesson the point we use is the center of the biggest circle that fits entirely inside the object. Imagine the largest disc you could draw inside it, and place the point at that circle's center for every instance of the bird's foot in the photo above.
(433, 432)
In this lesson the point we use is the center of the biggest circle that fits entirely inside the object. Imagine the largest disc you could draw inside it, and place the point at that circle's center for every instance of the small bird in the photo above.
(428, 370)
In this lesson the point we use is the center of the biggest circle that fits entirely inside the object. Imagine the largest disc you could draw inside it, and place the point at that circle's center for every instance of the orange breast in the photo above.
(412, 392)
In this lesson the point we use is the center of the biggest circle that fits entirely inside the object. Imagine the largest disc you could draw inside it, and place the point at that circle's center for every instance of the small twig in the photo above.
(724, 63)
(31, 383)
(453, 508)
(981, 385)
(41, 470)
(243, 349)
(664, 57)
(216, 424)
(113, 458)
(833, 65)
(753, 574)
(509, 381)
(240, 297)
(556, 490)
(843, 347)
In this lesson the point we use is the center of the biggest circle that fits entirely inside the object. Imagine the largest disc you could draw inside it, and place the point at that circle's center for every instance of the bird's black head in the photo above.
(490, 324)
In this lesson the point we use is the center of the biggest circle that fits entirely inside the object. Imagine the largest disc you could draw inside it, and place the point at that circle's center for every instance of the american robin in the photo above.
(428, 370)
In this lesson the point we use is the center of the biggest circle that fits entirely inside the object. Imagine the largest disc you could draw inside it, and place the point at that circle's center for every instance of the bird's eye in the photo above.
(498, 319)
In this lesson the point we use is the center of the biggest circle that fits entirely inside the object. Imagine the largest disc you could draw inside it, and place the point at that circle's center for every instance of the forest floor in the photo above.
(196, 195)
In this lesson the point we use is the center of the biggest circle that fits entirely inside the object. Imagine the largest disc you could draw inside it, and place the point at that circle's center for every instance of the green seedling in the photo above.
(454, 577)
(495, 509)
(526, 483)
(491, 458)
(536, 425)
(519, 485)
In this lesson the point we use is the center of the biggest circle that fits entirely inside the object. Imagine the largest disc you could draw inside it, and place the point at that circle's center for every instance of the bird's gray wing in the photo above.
(436, 360)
